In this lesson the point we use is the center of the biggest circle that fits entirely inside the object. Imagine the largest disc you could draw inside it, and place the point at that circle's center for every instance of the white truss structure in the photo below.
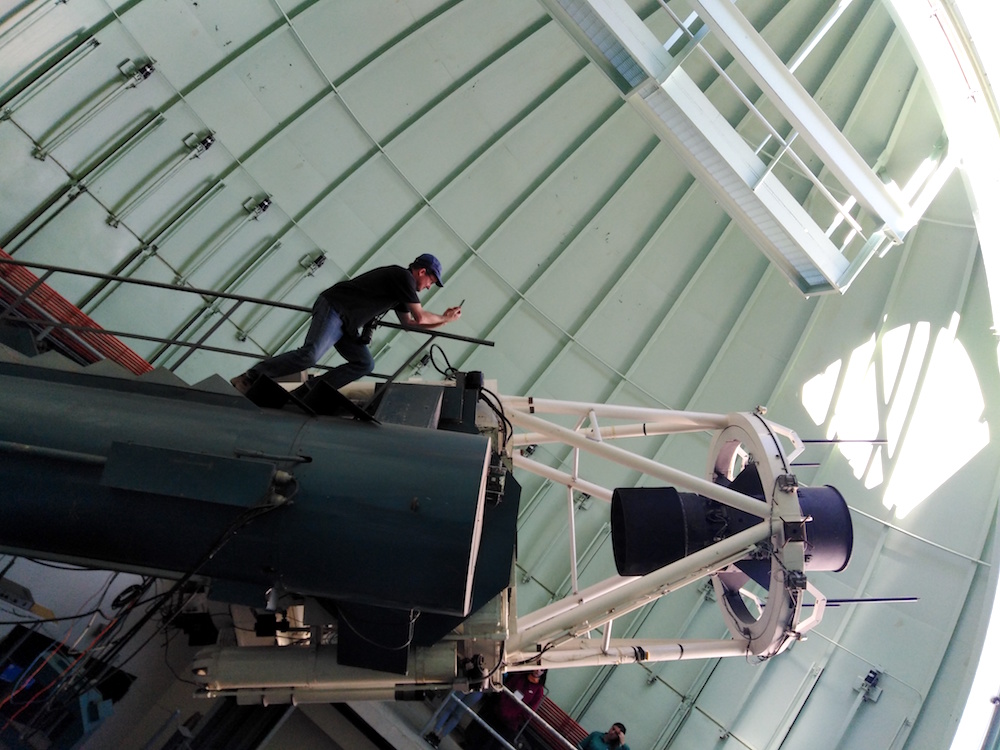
(557, 635)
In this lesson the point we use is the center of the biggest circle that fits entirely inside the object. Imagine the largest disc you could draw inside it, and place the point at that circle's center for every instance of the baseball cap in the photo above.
(432, 264)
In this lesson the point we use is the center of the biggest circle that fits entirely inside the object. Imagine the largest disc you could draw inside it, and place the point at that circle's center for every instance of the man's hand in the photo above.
(417, 317)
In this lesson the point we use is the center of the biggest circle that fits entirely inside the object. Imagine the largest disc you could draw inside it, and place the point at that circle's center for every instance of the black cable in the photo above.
(65, 682)
(414, 616)
(88, 613)
(126, 596)
(774, 439)
(71, 686)
(96, 610)
(156, 604)
(548, 646)
(449, 372)
(223, 539)
(500, 662)
(51, 619)
(166, 660)
(162, 627)
(488, 397)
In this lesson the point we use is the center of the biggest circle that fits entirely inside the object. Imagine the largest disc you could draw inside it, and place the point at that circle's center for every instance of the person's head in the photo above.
(537, 675)
(615, 735)
(426, 270)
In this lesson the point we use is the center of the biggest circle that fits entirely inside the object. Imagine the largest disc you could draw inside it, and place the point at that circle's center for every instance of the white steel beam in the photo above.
(621, 45)
(585, 652)
(785, 92)
(686, 120)
(584, 613)
(561, 477)
(645, 465)
(683, 421)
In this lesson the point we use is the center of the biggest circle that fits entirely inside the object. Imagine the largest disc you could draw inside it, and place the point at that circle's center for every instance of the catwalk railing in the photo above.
(27, 298)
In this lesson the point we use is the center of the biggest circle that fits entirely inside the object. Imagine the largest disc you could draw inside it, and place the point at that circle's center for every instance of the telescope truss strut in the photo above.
(558, 634)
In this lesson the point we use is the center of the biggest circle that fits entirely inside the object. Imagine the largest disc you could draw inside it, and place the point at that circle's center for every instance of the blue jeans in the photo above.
(326, 330)
(451, 714)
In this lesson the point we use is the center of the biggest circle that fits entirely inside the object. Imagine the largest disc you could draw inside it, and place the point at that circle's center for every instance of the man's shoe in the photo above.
(432, 739)
(241, 383)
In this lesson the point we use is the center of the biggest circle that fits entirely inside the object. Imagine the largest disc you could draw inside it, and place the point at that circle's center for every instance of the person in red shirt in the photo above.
(505, 714)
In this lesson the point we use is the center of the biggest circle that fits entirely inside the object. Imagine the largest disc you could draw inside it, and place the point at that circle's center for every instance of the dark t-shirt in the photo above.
(595, 741)
(371, 294)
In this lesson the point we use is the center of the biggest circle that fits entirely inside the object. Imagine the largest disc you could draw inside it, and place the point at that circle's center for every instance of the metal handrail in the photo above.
(209, 294)
(532, 715)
